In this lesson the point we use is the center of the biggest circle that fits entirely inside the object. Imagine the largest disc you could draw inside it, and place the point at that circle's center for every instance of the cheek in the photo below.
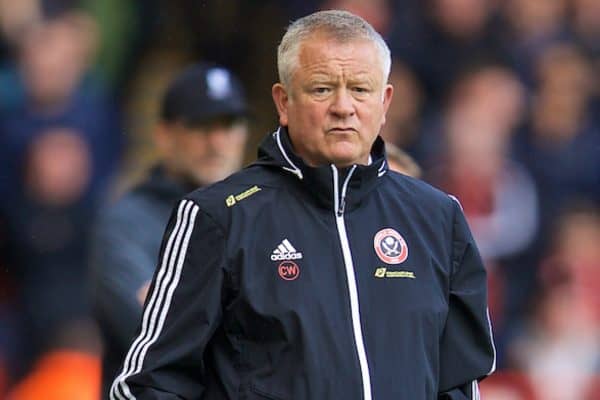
(235, 146)
(309, 114)
(192, 148)
(373, 115)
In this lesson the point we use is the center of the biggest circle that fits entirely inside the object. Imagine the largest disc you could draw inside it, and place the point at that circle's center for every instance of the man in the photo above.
(201, 138)
(316, 273)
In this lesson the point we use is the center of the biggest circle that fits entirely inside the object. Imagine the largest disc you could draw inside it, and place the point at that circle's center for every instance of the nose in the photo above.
(343, 104)
(218, 138)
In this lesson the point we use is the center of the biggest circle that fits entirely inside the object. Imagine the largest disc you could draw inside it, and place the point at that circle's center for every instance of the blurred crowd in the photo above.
(497, 101)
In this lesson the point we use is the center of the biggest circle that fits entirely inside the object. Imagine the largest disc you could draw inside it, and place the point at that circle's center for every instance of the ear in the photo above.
(281, 100)
(388, 92)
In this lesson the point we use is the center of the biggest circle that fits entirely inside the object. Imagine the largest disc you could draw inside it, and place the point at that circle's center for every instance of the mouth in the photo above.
(342, 130)
(212, 161)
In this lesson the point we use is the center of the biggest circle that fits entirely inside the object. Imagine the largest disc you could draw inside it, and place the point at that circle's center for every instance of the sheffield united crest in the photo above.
(390, 246)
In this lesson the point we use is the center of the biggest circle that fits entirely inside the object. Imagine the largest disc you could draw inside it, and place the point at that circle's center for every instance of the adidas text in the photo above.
(286, 256)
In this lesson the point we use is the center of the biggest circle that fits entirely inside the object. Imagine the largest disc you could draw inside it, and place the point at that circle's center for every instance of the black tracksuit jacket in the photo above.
(288, 282)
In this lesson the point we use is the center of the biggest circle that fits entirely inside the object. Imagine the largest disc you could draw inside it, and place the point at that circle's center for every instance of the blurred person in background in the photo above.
(400, 161)
(585, 27)
(201, 139)
(379, 13)
(531, 25)
(403, 121)
(48, 242)
(59, 147)
(535, 20)
(559, 347)
(507, 386)
(560, 142)
(7, 313)
(585, 24)
(497, 193)
(14, 18)
(58, 89)
(450, 33)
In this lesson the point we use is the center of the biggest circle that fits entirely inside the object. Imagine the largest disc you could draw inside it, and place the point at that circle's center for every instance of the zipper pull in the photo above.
(342, 206)
(342, 201)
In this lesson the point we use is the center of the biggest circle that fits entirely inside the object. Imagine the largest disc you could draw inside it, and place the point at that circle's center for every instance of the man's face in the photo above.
(205, 154)
(336, 102)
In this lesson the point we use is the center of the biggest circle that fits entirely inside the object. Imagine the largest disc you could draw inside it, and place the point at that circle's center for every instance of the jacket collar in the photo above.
(276, 151)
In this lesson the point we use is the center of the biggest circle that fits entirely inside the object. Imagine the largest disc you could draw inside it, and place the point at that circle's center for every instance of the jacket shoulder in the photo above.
(417, 187)
(421, 194)
(251, 187)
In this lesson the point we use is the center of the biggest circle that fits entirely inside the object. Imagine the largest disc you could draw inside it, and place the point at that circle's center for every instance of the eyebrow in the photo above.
(371, 82)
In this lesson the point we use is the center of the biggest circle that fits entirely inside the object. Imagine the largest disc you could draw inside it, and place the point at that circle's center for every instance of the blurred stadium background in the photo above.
(496, 100)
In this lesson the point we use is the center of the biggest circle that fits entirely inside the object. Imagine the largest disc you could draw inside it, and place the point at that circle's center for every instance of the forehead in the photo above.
(321, 54)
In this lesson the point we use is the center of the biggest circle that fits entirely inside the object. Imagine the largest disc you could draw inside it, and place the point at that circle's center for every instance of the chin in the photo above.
(344, 159)
(343, 162)
(208, 180)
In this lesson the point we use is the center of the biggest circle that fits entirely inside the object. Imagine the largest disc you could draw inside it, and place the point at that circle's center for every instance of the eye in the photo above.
(321, 90)
(360, 89)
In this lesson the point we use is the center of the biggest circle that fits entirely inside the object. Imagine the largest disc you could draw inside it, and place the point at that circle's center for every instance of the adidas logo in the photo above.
(285, 251)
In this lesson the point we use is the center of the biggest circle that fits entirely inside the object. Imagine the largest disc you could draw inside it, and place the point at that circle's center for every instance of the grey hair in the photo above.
(340, 25)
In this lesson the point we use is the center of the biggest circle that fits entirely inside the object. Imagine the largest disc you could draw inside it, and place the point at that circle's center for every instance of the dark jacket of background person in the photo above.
(126, 244)
(253, 297)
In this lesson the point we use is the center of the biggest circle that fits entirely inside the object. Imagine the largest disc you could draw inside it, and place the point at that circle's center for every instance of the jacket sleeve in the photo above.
(181, 313)
(467, 352)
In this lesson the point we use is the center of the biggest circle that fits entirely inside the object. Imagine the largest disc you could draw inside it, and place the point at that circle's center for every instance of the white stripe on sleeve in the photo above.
(158, 306)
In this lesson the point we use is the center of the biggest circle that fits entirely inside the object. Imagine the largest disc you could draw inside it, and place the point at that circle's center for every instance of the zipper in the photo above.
(339, 202)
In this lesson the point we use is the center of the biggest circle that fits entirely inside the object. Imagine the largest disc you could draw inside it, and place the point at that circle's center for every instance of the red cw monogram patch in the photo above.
(288, 270)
